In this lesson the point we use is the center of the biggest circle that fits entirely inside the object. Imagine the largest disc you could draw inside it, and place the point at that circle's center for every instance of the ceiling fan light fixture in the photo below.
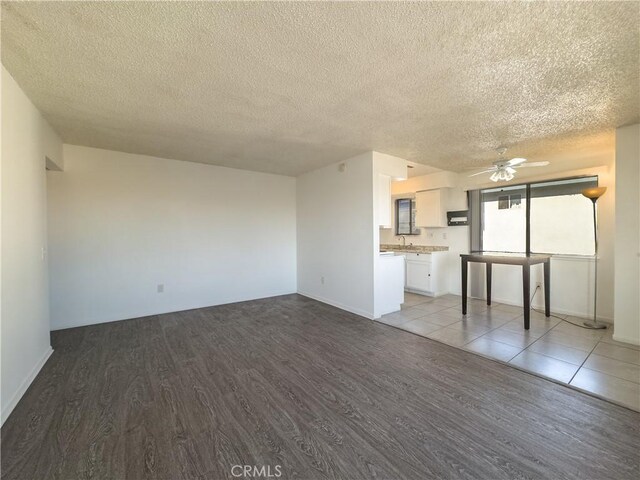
(505, 170)
(503, 175)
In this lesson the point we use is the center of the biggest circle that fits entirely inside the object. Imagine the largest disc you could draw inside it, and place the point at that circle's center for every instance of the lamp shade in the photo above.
(594, 193)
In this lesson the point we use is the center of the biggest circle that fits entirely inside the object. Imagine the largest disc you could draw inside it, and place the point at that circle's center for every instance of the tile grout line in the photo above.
(585, 361)
(610, 358)
(564, 346)
(480, 336)
(503, 343)
(507, 344)
(522, 369)
(616, 346)
(599, 341)
(527, 347)
(484, 334)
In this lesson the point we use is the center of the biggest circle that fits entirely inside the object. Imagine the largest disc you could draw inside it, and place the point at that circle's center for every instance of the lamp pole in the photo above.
(594, 194)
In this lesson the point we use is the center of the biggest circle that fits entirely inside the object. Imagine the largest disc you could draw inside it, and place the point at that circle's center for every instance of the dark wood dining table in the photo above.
(521, 259)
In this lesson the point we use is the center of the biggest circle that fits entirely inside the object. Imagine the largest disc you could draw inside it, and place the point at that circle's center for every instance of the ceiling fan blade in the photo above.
(532, 164)
(516, 161)
(484, 171)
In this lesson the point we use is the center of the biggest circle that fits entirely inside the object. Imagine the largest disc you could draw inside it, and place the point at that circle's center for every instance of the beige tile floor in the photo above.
(587, 359)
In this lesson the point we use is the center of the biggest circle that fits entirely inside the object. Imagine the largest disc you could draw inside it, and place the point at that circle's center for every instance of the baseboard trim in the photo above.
(153, 312)
(24, 386)
(425, 293)
(620, 338)
(346, 308)
(553, 310)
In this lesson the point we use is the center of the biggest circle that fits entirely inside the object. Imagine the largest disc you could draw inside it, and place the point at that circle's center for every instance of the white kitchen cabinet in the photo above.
(425, 273)
(431, 210)
(384, 201)
(419, 275)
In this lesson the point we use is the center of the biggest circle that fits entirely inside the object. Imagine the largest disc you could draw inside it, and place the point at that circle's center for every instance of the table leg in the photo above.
(526, 288)
(465, 265)
(547, 288)
(489, 265)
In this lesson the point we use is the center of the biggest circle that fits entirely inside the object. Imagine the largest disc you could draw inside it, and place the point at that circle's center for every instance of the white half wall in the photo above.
(388, 273)
(335, 210)
(24, 307)
(121, 225)
(627, 239)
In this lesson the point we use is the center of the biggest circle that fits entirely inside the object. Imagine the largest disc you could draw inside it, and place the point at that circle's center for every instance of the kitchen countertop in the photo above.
(412, 248)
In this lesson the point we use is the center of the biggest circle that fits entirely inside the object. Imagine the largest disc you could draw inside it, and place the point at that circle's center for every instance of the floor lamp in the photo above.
(594, 194)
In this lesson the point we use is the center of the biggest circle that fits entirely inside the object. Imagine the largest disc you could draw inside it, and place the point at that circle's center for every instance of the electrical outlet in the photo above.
(322, 280)
(444, 236)
(160, 287)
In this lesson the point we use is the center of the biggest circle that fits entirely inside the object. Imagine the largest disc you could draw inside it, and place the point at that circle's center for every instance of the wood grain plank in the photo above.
(318, 391)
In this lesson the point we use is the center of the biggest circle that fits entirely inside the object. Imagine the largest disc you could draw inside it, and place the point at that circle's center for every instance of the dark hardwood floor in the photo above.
(294, 383)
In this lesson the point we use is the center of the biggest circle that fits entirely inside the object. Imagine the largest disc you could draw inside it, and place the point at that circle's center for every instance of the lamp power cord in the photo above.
(586, 327)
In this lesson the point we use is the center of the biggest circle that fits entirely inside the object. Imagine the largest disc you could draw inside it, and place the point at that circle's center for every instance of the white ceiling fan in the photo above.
(504, 170)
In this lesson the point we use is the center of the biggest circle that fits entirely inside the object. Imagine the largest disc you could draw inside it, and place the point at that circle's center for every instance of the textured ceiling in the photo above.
(289, 87)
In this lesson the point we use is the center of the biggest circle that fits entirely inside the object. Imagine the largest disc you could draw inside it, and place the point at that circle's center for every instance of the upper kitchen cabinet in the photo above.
(384, 201)
(431, 210)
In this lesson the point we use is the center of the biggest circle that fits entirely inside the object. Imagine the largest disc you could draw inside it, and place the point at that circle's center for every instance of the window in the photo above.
(406, 217)
(503, 219)
(560, 219)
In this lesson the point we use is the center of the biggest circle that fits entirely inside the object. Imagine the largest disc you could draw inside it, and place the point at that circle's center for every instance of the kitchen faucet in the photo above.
(404, 240)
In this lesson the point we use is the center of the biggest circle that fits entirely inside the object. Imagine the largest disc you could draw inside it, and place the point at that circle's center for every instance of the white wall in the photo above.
(24, 306)
(335, 212)
(627, 239)
(121, 224)
(571, 277)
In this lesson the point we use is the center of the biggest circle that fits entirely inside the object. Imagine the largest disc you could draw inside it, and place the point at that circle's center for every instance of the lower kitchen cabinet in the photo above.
(425, 273)
(419, 274)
